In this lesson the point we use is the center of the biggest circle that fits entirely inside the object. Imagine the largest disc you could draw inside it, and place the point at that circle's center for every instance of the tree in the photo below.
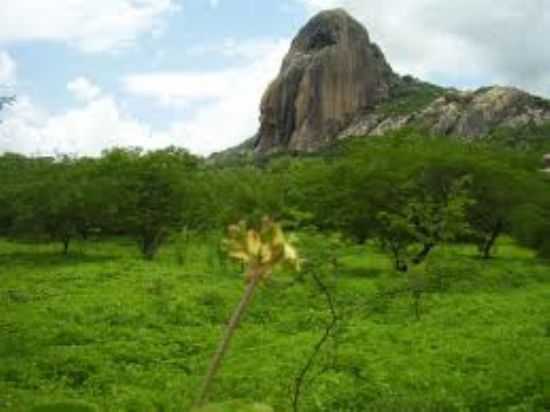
(404, 192)
(55, 201)
(504, 185)
(530, 223)
(423, 221)
(14, 171)
(149, 193)
(231, 194)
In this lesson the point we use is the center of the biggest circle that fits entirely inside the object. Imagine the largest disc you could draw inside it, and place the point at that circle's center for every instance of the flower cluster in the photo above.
(260, 249)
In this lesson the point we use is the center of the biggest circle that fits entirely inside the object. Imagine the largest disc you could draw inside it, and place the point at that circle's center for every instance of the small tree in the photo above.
(148, 193)
(499, 191)
(54, 201)
(424, 221)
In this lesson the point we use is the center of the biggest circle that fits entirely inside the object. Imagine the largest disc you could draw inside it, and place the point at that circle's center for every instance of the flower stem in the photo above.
(224, 343)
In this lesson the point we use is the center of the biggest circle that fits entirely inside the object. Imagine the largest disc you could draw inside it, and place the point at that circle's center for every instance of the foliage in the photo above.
(56, 200)
(145, 195)
(424, 219)
(149, 192)
(127, 335)
(151, 196)
(531, 137)
(409, 96)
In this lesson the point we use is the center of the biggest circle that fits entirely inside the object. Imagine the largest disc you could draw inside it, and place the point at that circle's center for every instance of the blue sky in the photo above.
(150, 73)
(197, 24)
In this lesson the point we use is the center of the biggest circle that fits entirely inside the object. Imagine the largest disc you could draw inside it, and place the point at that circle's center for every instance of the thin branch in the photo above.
(298, 383)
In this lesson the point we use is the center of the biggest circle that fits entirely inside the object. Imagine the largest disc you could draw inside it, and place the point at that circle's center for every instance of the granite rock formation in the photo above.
(331, 73)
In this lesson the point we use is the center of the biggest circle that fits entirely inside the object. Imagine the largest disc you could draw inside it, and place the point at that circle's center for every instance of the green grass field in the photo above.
(105, 327)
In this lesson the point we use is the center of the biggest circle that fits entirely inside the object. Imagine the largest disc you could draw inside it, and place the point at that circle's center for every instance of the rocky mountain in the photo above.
(331, 73)
(335, 83)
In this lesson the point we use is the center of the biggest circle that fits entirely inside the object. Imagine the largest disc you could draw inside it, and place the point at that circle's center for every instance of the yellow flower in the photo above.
(261, 249)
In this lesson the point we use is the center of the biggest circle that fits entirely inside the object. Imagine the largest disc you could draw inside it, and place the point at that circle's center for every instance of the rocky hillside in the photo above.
(465, 114)
(335, 83)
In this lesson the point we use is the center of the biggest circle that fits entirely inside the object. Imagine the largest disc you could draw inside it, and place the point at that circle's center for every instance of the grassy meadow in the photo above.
(106, 327)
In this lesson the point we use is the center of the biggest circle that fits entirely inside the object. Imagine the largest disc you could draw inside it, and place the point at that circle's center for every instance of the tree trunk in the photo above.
(83, 231)
(490, 241)
(66, 241)
(416, 297)
(401, 266)
(149, 248)
(423, 253)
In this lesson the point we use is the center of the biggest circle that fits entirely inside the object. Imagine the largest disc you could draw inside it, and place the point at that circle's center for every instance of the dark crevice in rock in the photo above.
(321, 39)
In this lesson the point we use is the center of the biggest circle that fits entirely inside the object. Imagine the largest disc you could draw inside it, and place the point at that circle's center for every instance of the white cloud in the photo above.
(91, 26)
(8, 69)
(468, 41)
(227, 100)
(228, 113)
(85, 131)
(190, 87)
(262, 59)
(214, 3)
(83, 89)
(243, 49)
(171, 88)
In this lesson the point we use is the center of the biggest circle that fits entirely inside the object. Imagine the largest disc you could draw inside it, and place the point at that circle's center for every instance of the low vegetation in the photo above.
(112, 330)
(425, 280)
(410, 96)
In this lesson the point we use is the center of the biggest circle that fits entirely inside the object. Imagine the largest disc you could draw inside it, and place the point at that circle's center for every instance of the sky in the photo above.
(90, 75)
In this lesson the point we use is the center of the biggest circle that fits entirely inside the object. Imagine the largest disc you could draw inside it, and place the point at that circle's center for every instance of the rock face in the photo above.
(464, 114)
(477, 113)
(331, 73)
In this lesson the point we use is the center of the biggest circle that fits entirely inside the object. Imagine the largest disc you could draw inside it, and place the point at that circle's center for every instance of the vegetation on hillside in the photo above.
(530, 138)
(410, 95)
